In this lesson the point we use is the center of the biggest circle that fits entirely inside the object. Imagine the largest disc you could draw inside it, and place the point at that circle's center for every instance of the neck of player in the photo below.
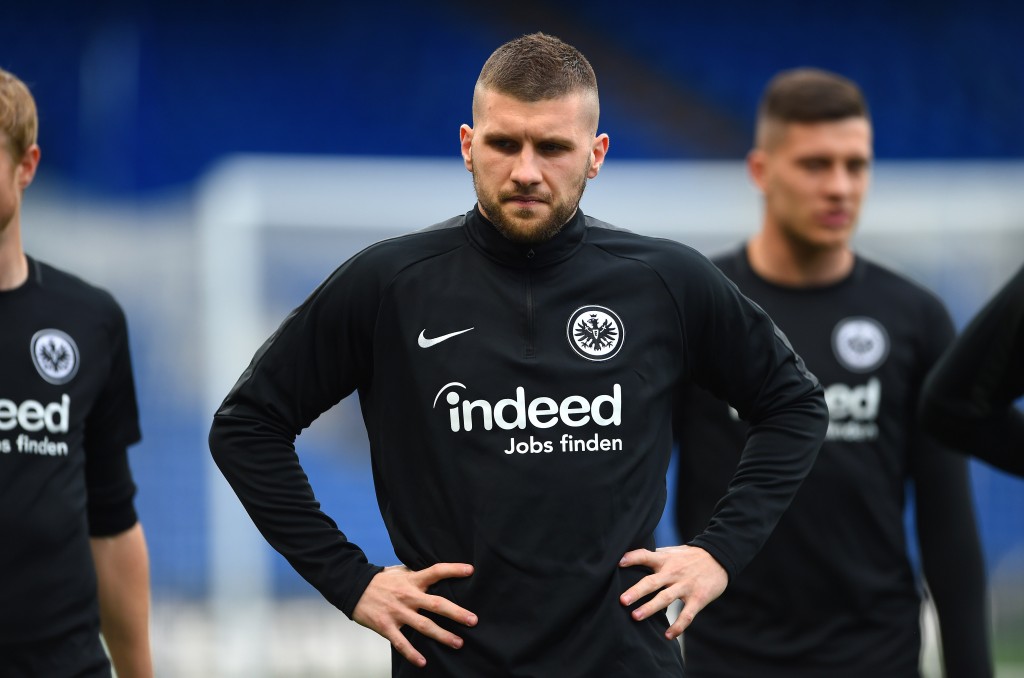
(13, 264)
(795, 264)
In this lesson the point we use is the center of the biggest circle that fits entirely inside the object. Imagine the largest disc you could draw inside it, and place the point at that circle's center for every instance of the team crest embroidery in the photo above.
(595, 332)
(55, 355)
(860, 344)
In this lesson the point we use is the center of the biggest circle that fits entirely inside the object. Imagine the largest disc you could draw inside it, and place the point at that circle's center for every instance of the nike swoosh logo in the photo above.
(427, 343)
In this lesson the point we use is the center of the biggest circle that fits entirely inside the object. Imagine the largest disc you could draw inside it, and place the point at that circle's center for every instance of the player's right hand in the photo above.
(395, 597)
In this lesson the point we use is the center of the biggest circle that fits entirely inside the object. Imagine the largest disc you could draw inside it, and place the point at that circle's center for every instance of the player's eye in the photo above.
(857, 166)
(815, 164)
(502, 144)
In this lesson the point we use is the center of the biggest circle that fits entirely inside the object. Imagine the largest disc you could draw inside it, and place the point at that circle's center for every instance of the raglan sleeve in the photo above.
(944, 513)
(968, 398)
(734, 350)
(321, 353)
(111, 426)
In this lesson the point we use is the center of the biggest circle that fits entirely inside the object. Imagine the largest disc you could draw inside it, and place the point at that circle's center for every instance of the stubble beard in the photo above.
(807, 245)
(513, 225)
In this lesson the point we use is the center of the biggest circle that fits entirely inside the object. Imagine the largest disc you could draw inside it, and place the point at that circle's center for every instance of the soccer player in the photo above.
(73, 557)
(516, 367)
(968, 397)
(833, 592)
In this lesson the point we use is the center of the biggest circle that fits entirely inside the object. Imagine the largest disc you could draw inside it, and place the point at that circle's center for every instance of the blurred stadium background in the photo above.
(211, 162)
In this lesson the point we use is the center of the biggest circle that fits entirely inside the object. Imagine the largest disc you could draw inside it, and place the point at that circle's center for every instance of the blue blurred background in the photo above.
(139, 102)
(136, 97)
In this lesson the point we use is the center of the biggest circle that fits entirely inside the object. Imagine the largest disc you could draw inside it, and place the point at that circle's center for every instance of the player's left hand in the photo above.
(686, 573)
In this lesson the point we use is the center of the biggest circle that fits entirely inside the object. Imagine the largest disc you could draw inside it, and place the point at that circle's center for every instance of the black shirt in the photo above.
(518, 402)
(67, 415)
(968, 398)
(833, 591)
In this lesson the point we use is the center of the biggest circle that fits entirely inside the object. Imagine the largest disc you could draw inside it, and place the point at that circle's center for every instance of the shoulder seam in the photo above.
(655, 272)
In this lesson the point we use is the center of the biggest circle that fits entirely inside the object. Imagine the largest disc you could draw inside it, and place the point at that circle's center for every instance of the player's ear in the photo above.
(598, 151)
(26, 169)
(466, 137)
(756, 161)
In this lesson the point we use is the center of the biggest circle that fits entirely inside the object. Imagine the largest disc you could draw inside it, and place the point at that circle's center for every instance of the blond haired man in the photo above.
(74, 559)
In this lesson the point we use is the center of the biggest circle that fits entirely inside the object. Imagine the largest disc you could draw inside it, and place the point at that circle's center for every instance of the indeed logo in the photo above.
(32, 415)
(542, 412)
(853, 411)
(854, 402)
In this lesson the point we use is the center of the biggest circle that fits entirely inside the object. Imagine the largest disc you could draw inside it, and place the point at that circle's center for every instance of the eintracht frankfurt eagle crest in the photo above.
(595, 332)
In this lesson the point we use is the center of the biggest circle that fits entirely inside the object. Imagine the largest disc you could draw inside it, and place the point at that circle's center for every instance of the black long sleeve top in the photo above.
(833, 591)
(968, 398)
(518, 401)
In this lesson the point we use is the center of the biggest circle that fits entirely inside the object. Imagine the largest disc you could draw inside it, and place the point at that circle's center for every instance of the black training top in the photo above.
(67, 416)
(968, 398)
(518, 402)
(832, 593)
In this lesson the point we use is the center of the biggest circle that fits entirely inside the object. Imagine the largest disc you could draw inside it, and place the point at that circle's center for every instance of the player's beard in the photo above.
(808, 241)
(514, 224)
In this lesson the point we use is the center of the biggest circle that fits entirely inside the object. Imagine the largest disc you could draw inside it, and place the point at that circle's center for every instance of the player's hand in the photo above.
(395, 597)
(686, 573)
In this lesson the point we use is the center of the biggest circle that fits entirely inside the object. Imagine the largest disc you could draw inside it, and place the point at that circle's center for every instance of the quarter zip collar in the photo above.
(487, 239)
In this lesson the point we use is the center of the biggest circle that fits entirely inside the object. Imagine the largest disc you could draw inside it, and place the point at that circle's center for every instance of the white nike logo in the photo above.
(427, 343)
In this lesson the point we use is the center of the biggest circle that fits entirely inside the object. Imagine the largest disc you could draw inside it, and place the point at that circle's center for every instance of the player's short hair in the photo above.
(19, 122)
(808, 95)
(537, 67)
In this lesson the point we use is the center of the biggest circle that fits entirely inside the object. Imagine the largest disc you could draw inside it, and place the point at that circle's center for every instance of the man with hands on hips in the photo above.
(516, 368)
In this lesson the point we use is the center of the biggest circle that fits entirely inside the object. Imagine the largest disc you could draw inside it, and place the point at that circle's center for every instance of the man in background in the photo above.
(73, 559)
(833, 592)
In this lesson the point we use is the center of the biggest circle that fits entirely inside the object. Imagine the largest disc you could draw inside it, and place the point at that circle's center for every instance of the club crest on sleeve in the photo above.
(861, 344)
(55, 356)
(595, 332)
